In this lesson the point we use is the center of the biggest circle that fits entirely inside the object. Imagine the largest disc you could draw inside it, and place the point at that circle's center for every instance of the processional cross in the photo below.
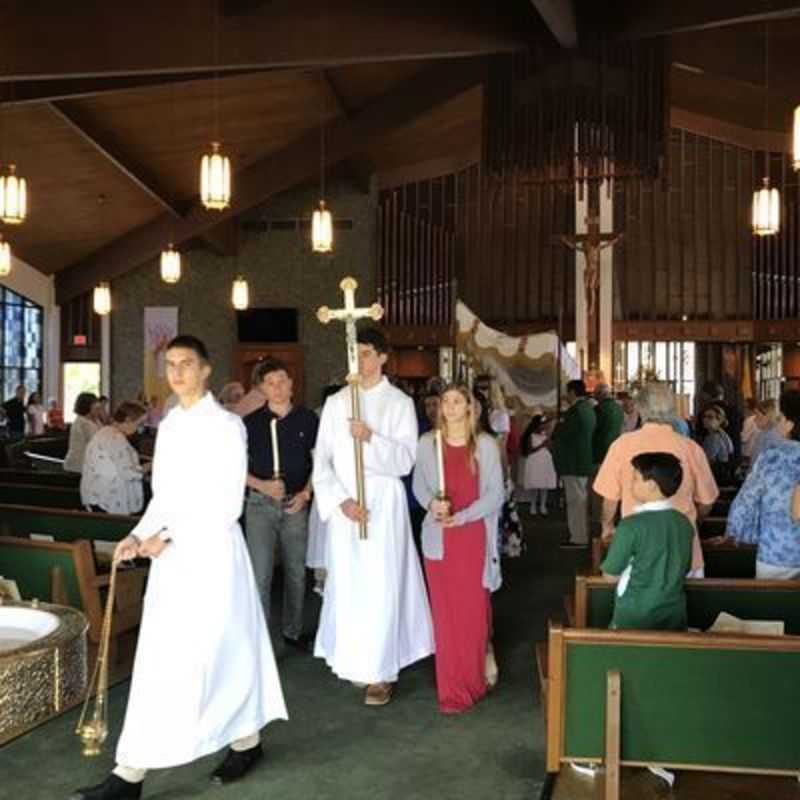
(349, 315)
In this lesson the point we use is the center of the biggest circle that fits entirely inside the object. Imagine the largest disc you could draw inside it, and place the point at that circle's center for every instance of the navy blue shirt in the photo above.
(297, 435)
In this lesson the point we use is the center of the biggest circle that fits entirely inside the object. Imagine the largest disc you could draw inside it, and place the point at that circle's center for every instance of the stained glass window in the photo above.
(21, 339)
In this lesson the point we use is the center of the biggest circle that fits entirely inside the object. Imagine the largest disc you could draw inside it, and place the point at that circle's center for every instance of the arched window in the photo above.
(21, 338)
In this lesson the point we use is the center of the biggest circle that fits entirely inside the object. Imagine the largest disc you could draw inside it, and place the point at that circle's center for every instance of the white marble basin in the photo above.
(21, 626)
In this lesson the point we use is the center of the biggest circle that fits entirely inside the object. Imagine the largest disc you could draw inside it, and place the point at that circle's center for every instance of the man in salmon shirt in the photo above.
(698, 489)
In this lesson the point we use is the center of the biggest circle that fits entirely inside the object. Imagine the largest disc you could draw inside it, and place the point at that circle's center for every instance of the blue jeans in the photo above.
(268, 525)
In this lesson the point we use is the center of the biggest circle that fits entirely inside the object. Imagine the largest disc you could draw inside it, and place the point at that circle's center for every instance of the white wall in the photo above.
(39, 288)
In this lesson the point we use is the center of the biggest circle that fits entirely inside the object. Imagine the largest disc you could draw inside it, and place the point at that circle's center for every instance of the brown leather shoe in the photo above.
(378, 694)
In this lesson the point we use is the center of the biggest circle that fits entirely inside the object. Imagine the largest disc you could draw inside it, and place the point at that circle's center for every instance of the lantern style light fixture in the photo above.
(101, 299)
(5, 258)
(215, 179)
(766, 200)
(240, 296)
(13, 197)
(796, 140)
(322, 230)
(766, 210)
(170, 265)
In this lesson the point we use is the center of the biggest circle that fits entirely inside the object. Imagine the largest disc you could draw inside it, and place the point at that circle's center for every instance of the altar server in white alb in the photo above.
(204, 676)
(375, 616)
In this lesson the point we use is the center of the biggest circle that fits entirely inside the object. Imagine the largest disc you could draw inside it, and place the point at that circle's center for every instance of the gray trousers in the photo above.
(268, 525)
(576, 495)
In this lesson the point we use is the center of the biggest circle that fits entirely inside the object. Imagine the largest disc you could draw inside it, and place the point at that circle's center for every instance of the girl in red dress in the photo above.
(460, 548)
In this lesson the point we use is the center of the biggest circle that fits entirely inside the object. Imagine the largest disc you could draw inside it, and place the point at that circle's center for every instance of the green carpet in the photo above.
(335, 747)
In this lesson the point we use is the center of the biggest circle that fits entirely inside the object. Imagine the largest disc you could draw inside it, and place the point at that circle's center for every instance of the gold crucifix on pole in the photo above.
(349, 315)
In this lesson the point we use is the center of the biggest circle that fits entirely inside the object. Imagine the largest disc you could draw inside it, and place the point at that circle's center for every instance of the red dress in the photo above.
(460, 604)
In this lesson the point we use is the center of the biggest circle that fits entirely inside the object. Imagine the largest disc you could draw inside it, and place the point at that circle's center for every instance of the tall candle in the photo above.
(276, 456)
(440, 461)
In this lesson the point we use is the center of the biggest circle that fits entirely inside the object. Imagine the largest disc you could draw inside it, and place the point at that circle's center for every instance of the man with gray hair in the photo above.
(698, 489)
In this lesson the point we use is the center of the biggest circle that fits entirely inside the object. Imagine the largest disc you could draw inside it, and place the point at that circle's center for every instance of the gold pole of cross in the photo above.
(349, 315)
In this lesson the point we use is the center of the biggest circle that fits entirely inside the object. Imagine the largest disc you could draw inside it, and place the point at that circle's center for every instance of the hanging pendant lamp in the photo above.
(796, 140)
(13, 197)
(101, 299)
(322, 230)
(5, 258)
(170, 265)
(215, 179)
(240, 295)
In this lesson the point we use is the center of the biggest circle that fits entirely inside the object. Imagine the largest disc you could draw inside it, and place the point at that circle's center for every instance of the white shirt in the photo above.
(80, 434)
(112, 476)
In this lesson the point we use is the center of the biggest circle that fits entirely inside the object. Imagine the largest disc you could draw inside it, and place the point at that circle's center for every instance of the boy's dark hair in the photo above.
(369, 334)
(790, 408)
(264, 367)
(577, 387)
(83, 403)
(662, 468)
(189, 342)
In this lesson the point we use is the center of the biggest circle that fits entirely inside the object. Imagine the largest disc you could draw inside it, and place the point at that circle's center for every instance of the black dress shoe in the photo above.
(236, 764)
(112, 788)
(304, 643)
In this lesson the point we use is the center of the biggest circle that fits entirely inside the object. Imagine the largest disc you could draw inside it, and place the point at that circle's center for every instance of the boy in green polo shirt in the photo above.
(651, 551)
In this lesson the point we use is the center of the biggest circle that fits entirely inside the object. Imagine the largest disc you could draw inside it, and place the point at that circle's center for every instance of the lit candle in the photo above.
(440, 461)
(276, 456)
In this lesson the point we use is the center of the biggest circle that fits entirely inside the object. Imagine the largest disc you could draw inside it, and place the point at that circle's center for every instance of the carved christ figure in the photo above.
(591, 244)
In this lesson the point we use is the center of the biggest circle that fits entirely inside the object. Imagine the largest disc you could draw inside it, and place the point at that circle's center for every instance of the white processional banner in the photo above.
(160, 326)
(526, 367)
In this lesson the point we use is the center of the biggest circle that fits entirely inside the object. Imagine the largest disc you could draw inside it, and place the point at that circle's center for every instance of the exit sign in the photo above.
(79, 340)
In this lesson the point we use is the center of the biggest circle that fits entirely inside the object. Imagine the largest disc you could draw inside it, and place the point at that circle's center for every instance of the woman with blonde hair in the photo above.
(459, 543)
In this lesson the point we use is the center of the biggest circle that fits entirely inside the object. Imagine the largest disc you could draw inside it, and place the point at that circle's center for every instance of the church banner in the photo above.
(160, 325)
(525, 366)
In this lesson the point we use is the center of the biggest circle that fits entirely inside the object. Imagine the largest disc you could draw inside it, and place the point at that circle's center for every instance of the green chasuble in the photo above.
(652, 552)
(610, 417)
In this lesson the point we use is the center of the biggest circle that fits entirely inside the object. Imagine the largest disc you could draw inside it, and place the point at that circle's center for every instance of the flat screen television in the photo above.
(273, 325)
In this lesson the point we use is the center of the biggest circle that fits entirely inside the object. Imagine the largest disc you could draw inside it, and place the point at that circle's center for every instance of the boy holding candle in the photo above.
(459, 479)
(280, 443)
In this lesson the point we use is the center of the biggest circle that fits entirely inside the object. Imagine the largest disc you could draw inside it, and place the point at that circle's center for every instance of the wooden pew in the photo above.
(63, 525)
(690, 701)
(38, 495)
(705, 599)
(727, 560)
(39, 477)
(65, 572)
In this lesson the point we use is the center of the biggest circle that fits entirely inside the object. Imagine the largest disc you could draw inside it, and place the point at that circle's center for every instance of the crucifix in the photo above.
(591, 244)
(349, 315)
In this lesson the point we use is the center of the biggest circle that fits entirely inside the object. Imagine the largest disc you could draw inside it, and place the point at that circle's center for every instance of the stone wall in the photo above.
(281, 271)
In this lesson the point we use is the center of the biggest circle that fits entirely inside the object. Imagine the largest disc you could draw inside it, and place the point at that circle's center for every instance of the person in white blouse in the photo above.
(81, 431)
(112, 476)
(35, 413)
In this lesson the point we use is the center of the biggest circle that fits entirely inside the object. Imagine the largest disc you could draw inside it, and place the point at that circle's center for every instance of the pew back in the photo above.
(40, 495)
(705, 599)
(689, 701)
(63, 525)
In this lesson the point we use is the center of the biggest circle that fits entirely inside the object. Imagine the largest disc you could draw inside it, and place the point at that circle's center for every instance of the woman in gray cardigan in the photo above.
(459, 543)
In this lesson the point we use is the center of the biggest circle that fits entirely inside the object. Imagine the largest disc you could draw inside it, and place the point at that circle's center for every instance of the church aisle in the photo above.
(334, 747)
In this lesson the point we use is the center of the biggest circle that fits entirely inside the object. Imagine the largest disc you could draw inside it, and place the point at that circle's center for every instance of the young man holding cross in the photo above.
(375, 616)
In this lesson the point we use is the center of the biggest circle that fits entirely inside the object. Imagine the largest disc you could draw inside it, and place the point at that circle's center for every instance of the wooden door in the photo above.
(248, 355)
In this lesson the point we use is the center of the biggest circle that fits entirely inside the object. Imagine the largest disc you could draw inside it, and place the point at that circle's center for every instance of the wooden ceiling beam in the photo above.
(559, 16)
(277, 172)
(634, 19)
(150, 37)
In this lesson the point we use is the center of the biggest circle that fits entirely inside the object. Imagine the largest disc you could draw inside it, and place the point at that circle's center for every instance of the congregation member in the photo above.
(631, 420)
(83, 428)
(375, 618)
(112, 476)
(459, 543)
(749, 428)
(253, 399)
(769, 423)
(610, 418)
(102, 411)
(717, 445)
(276, 510)
(204, 674)
(614, 481)
(15, 412)
(762, 511)
(55, 416)
(35, 414)
(651, 551)
(538, 472)
(231, 396)
(572, 454)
